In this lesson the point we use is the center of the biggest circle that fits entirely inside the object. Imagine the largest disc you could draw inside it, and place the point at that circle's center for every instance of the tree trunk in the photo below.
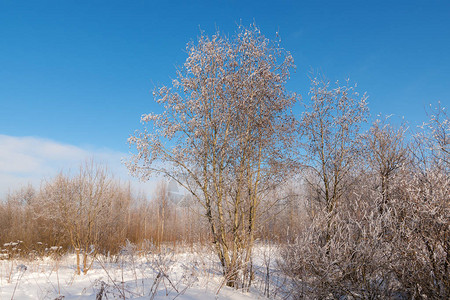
(77, 251)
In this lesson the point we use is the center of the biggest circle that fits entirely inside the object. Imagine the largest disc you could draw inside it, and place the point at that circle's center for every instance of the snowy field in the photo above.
(187, 273)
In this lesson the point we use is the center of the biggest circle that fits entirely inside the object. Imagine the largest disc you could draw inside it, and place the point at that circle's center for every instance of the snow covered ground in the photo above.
(182, 274)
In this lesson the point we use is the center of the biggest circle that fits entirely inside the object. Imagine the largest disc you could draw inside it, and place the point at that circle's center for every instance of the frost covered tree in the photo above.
(223, 136)
(424, 212)
(330, 127)
(387, 153)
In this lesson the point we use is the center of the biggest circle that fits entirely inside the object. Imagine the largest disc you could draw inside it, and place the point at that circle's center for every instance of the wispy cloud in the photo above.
(29, 160)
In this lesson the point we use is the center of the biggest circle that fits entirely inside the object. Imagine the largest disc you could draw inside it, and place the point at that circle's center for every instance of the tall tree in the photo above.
(223, 136)
(387, 152)
(331, 126)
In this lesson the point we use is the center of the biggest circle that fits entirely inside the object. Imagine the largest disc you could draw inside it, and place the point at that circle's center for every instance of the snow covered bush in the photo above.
(351, 260)
(388, 243)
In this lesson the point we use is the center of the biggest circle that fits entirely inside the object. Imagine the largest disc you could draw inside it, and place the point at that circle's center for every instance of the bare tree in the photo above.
(387, 152)
(162, 205)
(432, 143)
(423, 265)
(331, 128)
(79, 205)
(223, 136)
(16, 220)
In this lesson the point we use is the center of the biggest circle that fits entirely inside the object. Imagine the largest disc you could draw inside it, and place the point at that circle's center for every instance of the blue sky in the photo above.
(80, 73)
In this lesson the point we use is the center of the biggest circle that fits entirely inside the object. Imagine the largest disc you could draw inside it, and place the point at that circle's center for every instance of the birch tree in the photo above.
(223, 136)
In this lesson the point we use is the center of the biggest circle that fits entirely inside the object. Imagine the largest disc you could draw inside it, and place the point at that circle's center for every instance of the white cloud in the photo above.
(29, 160)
